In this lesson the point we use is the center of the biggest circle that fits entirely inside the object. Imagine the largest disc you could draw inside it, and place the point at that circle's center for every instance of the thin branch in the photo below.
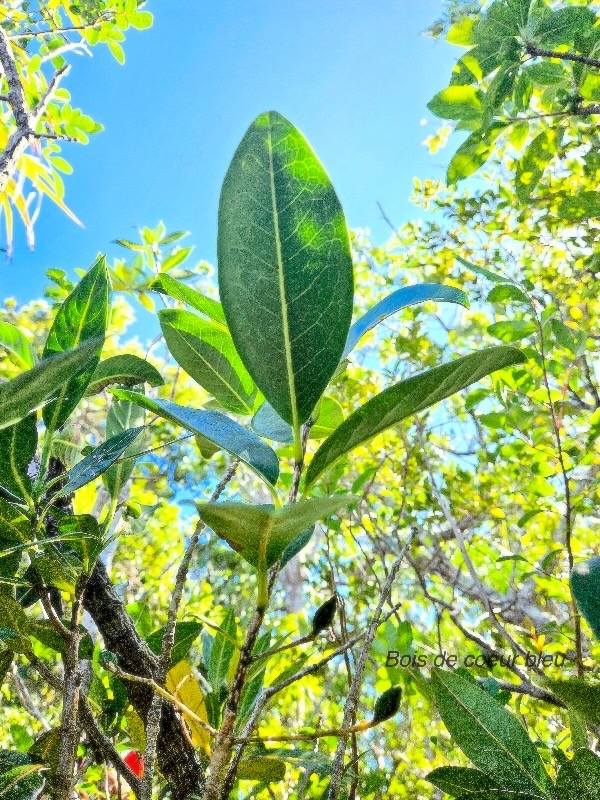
(60, 31)
(534, 50)
(353, 697)
(26, 699)
(168, 641)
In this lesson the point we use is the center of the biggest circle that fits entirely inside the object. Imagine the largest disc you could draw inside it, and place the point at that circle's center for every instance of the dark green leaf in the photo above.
(579, 779)
(44, 631)
(30, 390)
(124, 370)
(6, 659)
(17, 345)
(205, 351)
(585, 586)
(562, 25)
(580, 695)
(217, 428)
(324, 615)
(462, 781)
(99, 460)
(285, 269)
(485, 273)
(248, 529)
(222, 651)
(186, 634)
(82, 317)
(401, 298)
(212, 309)
(387, 704)
(17, 449)
(494, 740)
(20, 777)
(298, 544)
(15, 529)
(405, 399)
(267, 422)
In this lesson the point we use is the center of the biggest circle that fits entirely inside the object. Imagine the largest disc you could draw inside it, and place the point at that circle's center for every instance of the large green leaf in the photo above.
(217, 428)
(212, 309)
(44, 631)
(262, 530)
(401, 298)
(462, 781)
(15, 529)
(405, 399)
(579, 695)
(585, 586)
(82, 317)
(17, 345)
(125, 370)
(204, 349)
(17, 449)
(123, 416)
(99, 460)
(285, 269)
(494, 740)
(562, 25)
(473, 152)
(30, 390)
(579, 779)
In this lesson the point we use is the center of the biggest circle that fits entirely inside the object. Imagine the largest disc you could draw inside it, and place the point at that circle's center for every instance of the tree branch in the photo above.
(534, 50)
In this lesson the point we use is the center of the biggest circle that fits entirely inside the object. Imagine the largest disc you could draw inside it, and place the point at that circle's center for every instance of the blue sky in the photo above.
(353, 75)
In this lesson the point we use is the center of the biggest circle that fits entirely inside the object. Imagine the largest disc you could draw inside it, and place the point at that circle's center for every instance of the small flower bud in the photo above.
(387, 704)
(324, 616)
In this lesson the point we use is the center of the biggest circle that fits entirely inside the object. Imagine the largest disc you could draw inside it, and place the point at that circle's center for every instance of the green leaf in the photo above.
(462, 781)
(12, 615)
(123, 416)
(17, 345)
(6, 659)
(20, 777)
(580, 777)
(494, 740)
(485, 273)
(82, 317)
(535, 160)
(15, 528)
(473, 153)
(461, 32)
(58, 568)
(267, 422)
(266, 769)
(212, 309)
(405, 399)
(44, 631)
(580, 206)
(580, 695)
(206, 352)
(401, 298)
(98, 461)
(546, 74)
(30, 390)
(585, 587)
(17, 449)
(186, 634)
(217, 428)
(254, 681)
(222, 651)
(505, 292)
(285, 269)
(457, 102)
(561, 26)
(126, 370)
(252, 530)
(512, 330)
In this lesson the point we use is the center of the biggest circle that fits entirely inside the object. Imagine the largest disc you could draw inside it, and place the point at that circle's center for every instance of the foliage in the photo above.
(37, 41)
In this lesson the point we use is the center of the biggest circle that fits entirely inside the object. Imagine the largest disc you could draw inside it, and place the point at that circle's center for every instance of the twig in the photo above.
(168, 642)
(353, 697)
(26, 698)
(534, 50)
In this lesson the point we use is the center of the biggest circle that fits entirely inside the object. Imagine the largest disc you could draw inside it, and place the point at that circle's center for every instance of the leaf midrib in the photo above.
(500, 744)
(281, 279)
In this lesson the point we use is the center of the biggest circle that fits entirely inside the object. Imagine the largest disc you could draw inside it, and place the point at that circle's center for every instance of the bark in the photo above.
(177, 758)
